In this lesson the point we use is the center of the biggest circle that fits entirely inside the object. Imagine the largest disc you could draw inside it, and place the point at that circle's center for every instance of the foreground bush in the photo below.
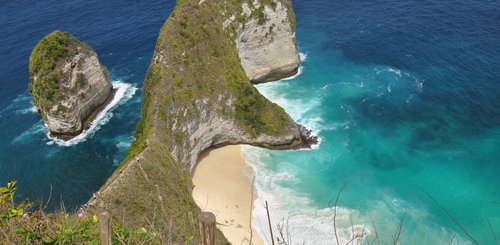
(23, 224)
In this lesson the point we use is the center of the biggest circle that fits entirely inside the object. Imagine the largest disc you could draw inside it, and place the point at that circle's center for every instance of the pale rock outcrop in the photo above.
(83, 87)
(266, 44)
(212, 129)
(81, 100)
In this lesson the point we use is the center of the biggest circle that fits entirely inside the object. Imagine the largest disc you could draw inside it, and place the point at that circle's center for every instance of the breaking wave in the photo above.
(124, 92)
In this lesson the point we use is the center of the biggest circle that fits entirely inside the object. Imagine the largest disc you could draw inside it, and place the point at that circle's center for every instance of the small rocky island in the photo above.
(68, 83)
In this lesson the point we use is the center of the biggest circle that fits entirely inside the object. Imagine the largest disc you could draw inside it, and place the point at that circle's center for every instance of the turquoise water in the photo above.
(399, 108)
(403, 95)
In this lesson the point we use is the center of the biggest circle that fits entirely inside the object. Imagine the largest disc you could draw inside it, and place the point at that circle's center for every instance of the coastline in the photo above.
(223, 186)
(87, 122)
(122, 92)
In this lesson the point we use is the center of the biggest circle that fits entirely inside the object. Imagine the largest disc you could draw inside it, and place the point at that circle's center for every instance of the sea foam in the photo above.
(299, 72)
(296, 108)
(124, 92)
(295, 212)
(31, 109)
(20, 105)
(309, 224)
(37, 128)
(303, 58)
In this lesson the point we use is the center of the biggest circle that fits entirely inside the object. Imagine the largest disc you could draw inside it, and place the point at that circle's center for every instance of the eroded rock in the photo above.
(68, 83)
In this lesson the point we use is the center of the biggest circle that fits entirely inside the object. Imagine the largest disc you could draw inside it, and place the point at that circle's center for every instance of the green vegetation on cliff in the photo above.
(42, 65)
(23, 224)
(200, 60)
(195, 73)
(203, 62)
(43, 70)
(195, 80)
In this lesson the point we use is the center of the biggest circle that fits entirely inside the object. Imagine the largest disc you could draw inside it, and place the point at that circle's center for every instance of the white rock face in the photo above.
(84, 88)
(83, 97)
(267, 50)
(213, 129)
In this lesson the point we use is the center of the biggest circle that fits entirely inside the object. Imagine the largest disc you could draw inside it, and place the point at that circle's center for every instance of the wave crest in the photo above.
(124, 92)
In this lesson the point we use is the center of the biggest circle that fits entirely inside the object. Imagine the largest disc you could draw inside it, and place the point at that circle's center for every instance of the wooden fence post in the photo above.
(105, 231)
(270, 226)
(207, 228)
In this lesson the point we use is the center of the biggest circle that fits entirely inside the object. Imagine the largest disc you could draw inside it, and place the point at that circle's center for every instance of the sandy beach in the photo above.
(223, 186)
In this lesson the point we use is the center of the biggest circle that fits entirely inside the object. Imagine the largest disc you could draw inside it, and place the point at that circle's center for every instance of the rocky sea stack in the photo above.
(68, 83)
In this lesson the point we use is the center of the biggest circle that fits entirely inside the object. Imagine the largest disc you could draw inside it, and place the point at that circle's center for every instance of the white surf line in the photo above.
(293, 210)
(124, 92)
(299, 72)
(302, 57)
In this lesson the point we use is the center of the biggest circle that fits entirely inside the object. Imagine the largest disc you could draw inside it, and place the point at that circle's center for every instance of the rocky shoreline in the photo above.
(87, 122)
(308, 138)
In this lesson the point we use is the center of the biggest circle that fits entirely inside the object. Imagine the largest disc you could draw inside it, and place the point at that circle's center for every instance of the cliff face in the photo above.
(266, 41)
(196, 95)
(68, 83)
(208, 100)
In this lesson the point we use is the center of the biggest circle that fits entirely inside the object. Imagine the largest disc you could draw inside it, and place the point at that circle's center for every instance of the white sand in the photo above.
(223, 186)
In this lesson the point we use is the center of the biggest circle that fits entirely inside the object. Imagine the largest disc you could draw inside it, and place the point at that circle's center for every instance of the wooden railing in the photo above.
(105, 230)
(206, 221)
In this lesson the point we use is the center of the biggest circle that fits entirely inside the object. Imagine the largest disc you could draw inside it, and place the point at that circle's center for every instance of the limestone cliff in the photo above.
(196, 95)
(266, 40)
(68, 83)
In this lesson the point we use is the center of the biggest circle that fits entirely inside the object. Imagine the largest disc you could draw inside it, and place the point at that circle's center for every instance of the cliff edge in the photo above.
(68, 83)
(196, 95)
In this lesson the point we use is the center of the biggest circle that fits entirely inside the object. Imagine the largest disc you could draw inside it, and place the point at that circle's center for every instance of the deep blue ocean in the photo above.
(404, 96)
(123, 33)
